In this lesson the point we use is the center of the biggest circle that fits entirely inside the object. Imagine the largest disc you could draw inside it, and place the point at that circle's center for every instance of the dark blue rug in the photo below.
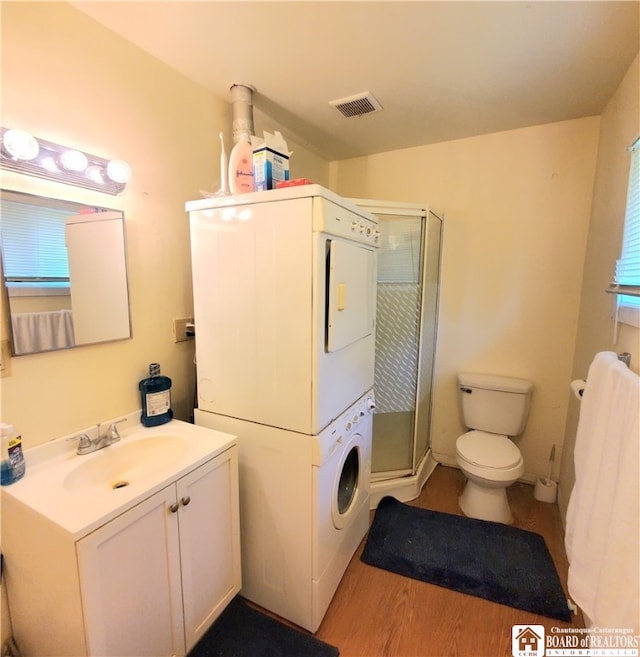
(486, 559)
(241, 631)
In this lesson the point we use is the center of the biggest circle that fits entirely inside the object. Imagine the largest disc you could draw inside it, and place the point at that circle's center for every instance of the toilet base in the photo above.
(485, 503)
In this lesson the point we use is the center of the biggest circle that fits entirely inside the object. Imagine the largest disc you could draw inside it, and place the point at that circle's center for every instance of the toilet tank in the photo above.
(496, 404)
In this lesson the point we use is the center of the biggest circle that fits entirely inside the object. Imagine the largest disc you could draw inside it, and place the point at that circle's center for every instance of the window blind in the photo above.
(627, 272)
(399, 260)
(33, 243)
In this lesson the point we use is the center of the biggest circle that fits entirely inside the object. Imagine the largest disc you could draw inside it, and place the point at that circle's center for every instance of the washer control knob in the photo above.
(356, 417)
(354, 225)
(348, 425)
(371, 404)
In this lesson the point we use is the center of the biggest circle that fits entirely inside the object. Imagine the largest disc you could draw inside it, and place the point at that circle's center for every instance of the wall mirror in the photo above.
(64, 273)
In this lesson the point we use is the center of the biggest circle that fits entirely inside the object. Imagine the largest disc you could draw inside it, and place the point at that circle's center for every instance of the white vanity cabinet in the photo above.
(131, 583)
(147, 583)
(136, 571)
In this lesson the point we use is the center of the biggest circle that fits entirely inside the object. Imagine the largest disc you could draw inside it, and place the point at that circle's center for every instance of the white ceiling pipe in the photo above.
(242, 98)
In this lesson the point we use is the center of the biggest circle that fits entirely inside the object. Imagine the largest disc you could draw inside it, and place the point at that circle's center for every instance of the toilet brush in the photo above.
(552, 458)
(545, 489)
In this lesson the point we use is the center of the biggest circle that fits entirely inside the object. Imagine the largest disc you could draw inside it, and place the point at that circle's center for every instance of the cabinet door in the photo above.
(209, 542)
(130, 580)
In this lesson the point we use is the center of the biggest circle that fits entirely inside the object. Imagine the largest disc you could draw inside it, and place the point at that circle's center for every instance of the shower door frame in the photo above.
(417, 458)
(423, 213)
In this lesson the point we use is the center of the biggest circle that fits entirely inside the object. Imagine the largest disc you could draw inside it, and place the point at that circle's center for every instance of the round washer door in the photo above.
(347, 487)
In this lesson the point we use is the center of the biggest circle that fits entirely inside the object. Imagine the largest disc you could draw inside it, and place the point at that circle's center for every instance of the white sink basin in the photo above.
(79, 493)
(122, 464)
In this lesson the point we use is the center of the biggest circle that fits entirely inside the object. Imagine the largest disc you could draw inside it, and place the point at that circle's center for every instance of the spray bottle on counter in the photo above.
(12, 465)
(155, 395)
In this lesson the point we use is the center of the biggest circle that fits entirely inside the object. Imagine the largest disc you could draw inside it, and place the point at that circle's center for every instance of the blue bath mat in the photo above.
(241, 631)
(486, 559)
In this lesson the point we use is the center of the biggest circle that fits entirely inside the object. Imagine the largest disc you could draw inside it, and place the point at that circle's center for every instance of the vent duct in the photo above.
(363, 103)
(242, 99)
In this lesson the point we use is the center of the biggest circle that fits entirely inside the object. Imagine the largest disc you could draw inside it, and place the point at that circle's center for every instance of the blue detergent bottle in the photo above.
(155, 396)
(12, 465)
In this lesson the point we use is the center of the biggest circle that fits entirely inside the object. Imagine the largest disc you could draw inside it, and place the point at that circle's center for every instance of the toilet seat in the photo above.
(488, 450)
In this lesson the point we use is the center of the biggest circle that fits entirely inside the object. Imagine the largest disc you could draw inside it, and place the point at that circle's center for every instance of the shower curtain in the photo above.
(42, 331)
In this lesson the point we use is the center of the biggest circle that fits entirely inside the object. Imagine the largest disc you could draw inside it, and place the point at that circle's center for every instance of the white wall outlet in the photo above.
(183, 329)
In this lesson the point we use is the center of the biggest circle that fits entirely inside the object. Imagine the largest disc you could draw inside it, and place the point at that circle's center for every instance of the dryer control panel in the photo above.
(357, 419)
(333, 219)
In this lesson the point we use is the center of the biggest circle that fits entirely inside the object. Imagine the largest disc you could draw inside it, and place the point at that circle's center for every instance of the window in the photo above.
(627, 274)
(33, 246)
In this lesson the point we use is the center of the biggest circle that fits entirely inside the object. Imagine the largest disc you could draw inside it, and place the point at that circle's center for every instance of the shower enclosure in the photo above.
(406, 327)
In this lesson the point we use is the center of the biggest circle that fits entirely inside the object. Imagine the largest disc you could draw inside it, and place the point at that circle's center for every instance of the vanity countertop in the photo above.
(79, 493)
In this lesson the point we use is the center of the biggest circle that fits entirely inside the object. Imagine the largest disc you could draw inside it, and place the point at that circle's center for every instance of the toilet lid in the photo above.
(488, 449)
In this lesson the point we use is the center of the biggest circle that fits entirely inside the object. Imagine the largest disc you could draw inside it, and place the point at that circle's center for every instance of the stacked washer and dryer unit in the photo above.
(284, 286)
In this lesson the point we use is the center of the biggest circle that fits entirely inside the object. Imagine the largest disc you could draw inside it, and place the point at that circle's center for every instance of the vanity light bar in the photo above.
(23, 153)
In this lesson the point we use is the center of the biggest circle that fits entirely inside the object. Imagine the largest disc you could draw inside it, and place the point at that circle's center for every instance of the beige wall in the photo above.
(619, 127)
(67, 79)
(517, 208)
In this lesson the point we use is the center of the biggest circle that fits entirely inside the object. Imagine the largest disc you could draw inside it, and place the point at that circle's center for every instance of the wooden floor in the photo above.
(376, 613)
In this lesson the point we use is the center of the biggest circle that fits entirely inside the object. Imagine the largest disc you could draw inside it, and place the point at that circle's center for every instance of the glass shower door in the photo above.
(397, 343)
(406, 326)
(406, 330)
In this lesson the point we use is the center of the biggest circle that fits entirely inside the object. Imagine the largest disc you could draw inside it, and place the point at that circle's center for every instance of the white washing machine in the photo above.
(304, 508)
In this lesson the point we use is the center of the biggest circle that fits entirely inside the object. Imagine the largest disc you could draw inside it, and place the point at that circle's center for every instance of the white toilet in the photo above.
(493, 408)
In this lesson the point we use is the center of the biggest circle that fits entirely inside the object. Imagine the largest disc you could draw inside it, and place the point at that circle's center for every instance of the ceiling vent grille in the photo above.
(364, 103)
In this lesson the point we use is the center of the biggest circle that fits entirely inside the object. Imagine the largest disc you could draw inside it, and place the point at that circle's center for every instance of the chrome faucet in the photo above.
(86, 445)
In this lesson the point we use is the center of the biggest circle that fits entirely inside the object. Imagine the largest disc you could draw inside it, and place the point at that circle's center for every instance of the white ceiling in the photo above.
(441, 70)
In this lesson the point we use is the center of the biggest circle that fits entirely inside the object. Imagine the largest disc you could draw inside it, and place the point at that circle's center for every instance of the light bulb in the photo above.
(74, 160)
(20, 145)
(119, 171)
(95, 173)
(49, 164)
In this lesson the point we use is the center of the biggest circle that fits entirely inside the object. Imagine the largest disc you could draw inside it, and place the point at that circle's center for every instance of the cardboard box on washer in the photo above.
(270, 160)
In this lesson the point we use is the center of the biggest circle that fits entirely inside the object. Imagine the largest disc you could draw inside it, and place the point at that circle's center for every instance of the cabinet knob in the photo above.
(185, 500)
(174, 507)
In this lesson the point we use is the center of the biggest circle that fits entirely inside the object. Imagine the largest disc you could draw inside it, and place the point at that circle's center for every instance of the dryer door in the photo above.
(350, 294)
